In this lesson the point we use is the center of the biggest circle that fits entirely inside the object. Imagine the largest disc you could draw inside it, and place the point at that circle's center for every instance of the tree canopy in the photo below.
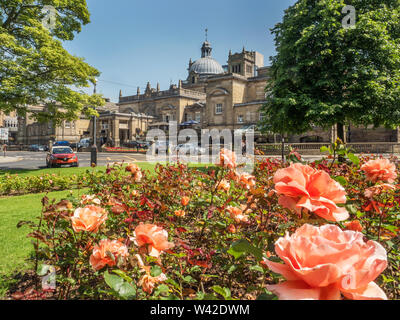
(325, 74)
(35, 69)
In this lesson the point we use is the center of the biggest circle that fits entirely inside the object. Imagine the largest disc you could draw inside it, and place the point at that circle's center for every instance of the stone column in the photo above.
(116, 133)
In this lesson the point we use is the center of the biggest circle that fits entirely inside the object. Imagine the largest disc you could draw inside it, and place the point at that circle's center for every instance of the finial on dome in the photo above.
(120, 93)
(206, 34)
(158, 87)
(138, 91)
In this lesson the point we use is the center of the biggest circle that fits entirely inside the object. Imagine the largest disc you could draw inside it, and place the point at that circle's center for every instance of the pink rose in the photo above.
(301, 186)
(227, 159)
(153, 237)
(321, 263)
(107, 253)
(380, 170)
(89, 218)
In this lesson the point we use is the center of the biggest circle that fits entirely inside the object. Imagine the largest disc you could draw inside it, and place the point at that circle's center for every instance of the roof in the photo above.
(206, 65)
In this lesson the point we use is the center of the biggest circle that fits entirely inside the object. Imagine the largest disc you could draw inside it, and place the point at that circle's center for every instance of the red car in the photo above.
(61, 156)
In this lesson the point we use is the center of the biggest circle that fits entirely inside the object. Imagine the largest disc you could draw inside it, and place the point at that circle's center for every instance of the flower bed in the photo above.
(317, 231)
(122, 149)
(15, 184)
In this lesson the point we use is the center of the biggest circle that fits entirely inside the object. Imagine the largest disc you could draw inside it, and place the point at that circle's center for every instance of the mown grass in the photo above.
(70, 171)
(15, 247)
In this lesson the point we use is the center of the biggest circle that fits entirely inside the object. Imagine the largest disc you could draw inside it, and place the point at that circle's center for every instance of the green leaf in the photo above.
(341, 180)
(123, 275)
(353, 158)
(225, 292)
(257, 268)
(124, 289)
(241, 247)
(267, 296)
(162, 289)
(324, 149)
(155, 271)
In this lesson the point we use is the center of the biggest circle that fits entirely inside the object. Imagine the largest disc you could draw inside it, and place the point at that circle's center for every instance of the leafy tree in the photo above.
(325, 74)
(34, 66)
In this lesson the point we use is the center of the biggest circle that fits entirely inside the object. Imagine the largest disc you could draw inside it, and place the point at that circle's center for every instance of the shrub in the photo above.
(220, 233)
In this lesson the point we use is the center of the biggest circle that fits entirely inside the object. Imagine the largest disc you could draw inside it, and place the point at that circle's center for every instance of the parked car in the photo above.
(137, 144)
(84, 143)
(61, 156)
(61, 144)
(189, 148)
(36, 148)
(161, 146)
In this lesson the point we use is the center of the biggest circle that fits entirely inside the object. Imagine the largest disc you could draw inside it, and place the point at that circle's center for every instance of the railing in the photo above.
(313, 148)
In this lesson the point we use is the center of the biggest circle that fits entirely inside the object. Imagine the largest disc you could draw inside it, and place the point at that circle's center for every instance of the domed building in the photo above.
(205, 66)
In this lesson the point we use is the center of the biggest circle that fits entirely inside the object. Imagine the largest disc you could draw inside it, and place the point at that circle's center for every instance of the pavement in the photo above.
(9, 159)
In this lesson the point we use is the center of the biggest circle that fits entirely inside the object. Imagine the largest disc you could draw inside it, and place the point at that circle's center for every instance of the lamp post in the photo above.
(93, 152)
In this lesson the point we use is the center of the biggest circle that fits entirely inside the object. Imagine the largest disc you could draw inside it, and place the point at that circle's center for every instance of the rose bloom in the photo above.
(179, 213)
(103, 253)
(227, 159)
(232, 228)
(185, 201)
(224, 185)
(147, 282)
(378, 189)
(90, 199)
(301, 186)
(237, 214)
(135, 170)
(354, 225)
(88, 218)
(117, 206)
(132, 168)
(321, 263)
(247, 180)
(152, 236)
(380, 170)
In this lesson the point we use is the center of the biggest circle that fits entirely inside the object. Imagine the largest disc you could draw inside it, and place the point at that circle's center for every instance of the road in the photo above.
(37, 160)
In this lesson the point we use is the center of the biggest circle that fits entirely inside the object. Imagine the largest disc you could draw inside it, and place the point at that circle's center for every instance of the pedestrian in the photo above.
(4, 149)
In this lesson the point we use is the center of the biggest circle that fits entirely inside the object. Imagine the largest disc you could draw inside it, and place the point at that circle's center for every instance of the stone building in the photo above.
(213, 96)
(10, 121)
(31, 131)
(216, 97)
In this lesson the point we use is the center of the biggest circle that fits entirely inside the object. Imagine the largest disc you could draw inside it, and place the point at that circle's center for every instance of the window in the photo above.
(240, 118)
(190, 117)
(67, 125)
(261, 116)
(193, 79)
(198, 117)
(218, 108)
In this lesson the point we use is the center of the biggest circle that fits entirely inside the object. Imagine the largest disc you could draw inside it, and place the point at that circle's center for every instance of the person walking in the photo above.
(4, 149)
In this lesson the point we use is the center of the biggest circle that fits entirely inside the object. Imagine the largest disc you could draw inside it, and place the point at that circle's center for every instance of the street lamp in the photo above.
(93, 152)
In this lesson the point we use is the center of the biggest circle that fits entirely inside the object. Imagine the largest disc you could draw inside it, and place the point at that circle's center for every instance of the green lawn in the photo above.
(15, 247)
(70, 171)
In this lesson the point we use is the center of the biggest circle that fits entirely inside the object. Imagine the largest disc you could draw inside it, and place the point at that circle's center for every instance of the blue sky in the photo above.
(132, 42)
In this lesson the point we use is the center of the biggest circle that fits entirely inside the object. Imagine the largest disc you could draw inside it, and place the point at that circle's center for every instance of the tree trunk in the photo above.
(340, 132)
(283, 148)
(340, 135)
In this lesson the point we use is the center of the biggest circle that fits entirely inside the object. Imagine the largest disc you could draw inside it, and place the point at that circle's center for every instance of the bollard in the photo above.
(93, 155)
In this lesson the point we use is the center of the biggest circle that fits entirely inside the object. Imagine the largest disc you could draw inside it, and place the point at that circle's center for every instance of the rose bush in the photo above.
(289, 231)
